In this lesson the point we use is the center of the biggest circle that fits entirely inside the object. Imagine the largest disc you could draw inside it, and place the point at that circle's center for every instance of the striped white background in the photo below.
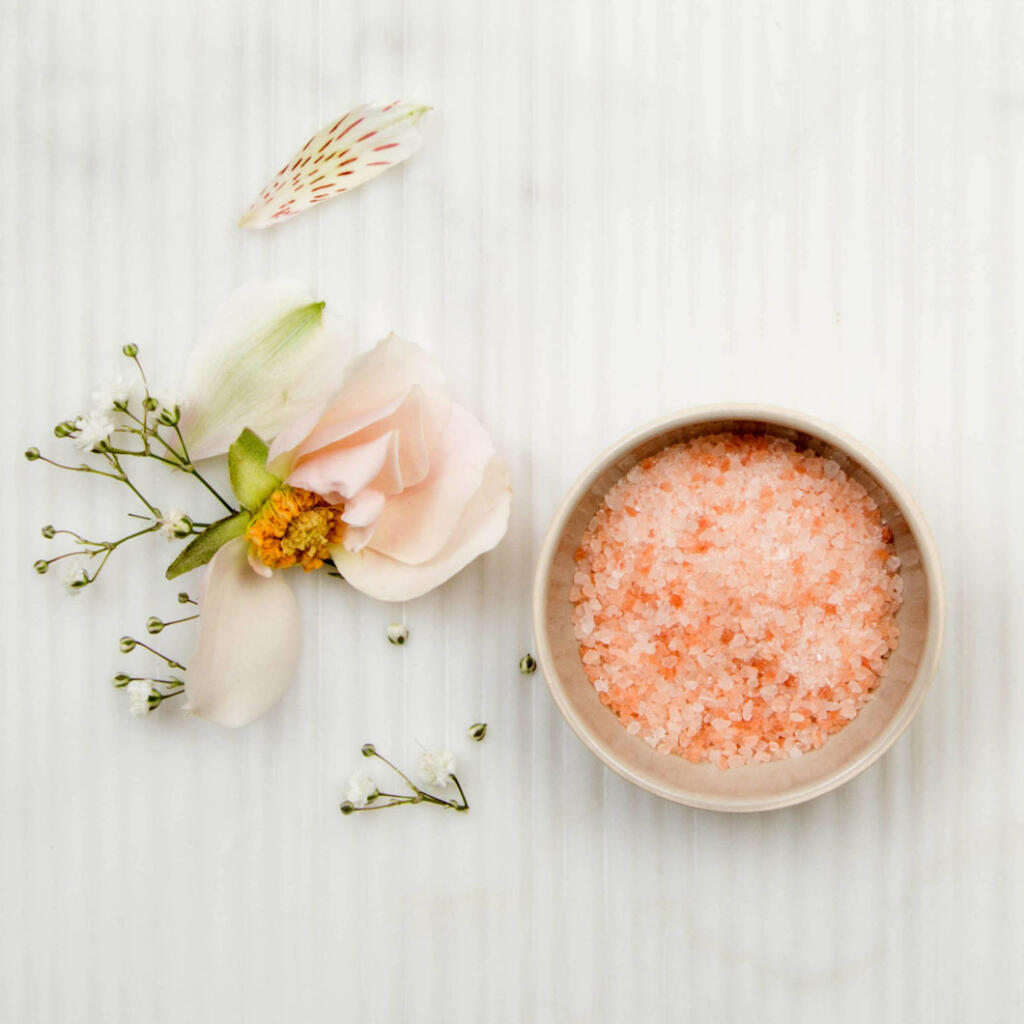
(621, 208)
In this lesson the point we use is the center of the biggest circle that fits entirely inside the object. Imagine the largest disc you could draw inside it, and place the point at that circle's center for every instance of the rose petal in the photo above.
(483, 523)
(415, 524)
(344, 154)
(268, 357)
(365, 508)
(376, 384)
(342, 472)
(248, 649)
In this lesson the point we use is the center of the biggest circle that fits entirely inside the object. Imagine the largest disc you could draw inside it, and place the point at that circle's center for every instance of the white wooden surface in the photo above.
(621, 208)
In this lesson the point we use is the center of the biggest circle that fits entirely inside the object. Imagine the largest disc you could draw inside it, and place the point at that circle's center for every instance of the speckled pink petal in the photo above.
(482, 524)
(249, 633)
(341, 156)
(416, 524)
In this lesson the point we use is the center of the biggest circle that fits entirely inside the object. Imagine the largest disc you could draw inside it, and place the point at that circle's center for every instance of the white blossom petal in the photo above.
(483, 523)
(341, 156)
(249, 632)
(269, 356)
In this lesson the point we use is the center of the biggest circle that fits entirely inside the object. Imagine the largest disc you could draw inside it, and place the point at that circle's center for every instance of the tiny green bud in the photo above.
(32, 454)
(48, 532)
(40, 566)
(183, 526)
(127, 644)
(60, 430)
(122, 679)
(527, 664)
(347, 807)
(397, 634)
(169, 417)
(130, 350)
(183, 598)
(478, 731)
(150, 404)
(369, 750)
(154, 625)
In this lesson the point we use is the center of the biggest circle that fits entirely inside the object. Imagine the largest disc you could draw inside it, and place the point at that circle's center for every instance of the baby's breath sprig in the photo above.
(122, 427)
(147, 693)
(436, 769)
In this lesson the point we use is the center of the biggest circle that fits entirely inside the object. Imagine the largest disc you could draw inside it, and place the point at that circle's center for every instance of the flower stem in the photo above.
(465, 802)
(171, 663)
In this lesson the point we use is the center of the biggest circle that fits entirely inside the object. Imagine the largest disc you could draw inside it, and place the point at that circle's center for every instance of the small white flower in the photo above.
(437, 766)
(360, 788)
(139, 691)
(75, 578)
(92, 429)
(117, 391)
(175, 524)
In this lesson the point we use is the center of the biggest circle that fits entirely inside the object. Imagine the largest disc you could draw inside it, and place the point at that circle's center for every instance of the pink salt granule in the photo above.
(735, 599)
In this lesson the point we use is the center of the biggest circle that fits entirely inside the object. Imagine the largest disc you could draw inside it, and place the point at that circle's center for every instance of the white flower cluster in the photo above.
(92, 429)
(437, 767)
(360, 788)
(175, 524)
(139, 691)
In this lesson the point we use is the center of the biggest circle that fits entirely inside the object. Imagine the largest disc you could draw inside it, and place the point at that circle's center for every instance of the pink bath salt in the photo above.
(735, 599)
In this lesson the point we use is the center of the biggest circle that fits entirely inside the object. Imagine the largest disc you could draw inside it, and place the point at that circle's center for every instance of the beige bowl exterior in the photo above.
(758, 787)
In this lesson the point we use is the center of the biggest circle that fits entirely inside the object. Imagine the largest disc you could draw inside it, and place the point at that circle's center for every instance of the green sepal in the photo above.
(200, 550)
(251, 481)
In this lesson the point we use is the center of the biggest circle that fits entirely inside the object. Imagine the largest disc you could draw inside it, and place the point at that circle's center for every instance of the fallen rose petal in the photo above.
(249, 633)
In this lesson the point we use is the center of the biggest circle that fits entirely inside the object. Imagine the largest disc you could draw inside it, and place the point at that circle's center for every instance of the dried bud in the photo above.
(527, 664)
(127, 644)
(397, 634)
(169, 417)
(369, 750)
(183, 598)
(478, 731)
(150, 404)
(48, 532)
(32, 454)
(41, 566)
(154, 625)
(130, 350)
(347, 807)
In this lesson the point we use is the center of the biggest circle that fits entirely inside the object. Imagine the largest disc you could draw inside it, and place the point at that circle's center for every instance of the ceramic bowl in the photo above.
(775, 784)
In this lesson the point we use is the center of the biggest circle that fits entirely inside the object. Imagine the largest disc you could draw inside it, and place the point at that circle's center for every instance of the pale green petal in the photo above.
(270, 355)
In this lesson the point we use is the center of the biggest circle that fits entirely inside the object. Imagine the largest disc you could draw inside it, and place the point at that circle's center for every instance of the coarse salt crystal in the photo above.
(727, 582)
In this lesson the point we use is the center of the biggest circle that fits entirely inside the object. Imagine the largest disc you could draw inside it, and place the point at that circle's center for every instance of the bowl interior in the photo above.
(759, 786)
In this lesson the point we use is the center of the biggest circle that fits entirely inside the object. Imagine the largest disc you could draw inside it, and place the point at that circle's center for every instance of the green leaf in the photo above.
(247, 464)
(208, 543)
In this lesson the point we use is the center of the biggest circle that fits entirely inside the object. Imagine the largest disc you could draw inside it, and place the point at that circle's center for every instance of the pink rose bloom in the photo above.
(422, 489)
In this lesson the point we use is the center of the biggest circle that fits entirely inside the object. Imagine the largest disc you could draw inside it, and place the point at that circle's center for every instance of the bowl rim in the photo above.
(793, 420)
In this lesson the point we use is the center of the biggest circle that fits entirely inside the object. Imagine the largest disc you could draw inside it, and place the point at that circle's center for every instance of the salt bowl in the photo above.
(757, 786)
